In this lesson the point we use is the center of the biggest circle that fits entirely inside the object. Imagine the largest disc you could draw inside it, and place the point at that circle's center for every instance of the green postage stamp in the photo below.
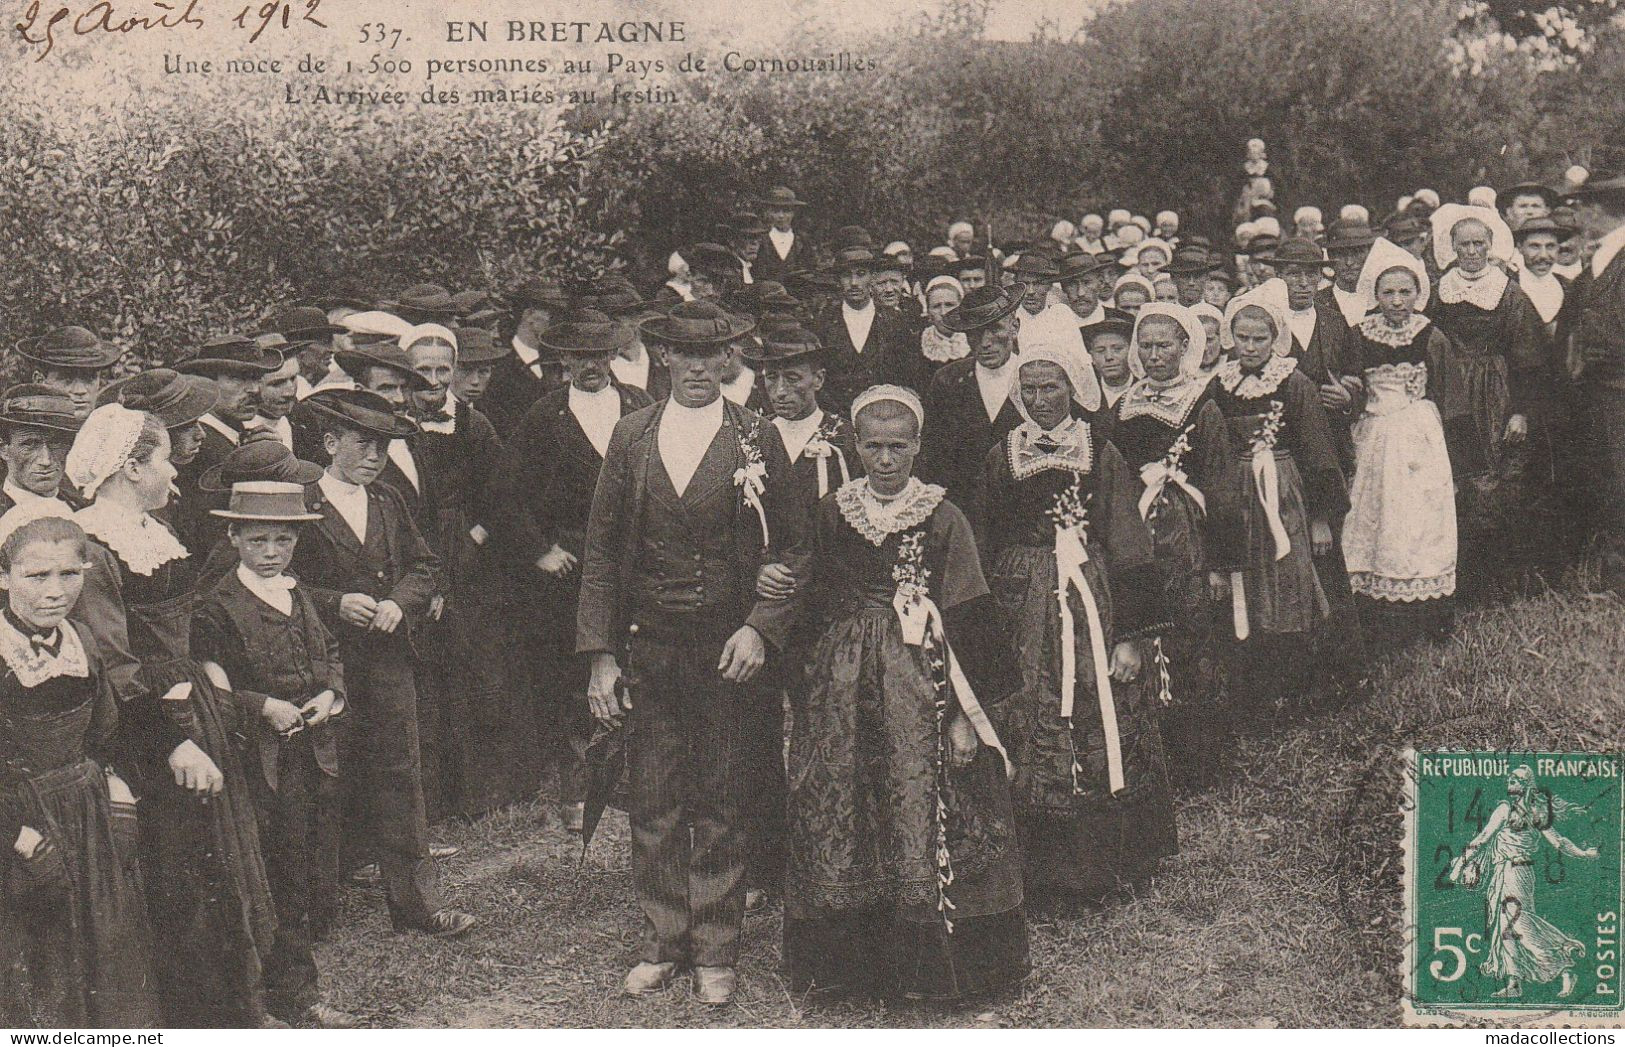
(1512, 888)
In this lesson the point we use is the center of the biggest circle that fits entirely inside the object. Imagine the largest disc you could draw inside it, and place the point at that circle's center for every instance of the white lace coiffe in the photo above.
(104, 443)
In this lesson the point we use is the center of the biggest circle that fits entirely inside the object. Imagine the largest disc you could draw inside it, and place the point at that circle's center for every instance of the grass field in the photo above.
(1281, 909)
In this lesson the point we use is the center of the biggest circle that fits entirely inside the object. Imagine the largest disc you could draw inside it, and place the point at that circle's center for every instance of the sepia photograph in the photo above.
(936, 514)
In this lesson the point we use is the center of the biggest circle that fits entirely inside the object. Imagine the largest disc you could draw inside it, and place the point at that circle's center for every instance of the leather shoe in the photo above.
(321, 1016)
(648, 978)
(448, 923)
(440, 852)
(715, 985)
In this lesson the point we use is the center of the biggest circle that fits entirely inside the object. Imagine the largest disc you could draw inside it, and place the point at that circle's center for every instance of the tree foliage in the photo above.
(160, 219)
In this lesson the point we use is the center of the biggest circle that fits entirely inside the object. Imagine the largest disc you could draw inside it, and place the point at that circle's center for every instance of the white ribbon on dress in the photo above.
(1267, 480)
(917, 613)
(1070, 556)
(1158, 475)
(1238, 604)
(821, 450)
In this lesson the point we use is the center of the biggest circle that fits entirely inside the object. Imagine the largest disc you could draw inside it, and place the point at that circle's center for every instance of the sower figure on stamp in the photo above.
(1522, 946)
(545, 489)
(693, 498)
(372, 577)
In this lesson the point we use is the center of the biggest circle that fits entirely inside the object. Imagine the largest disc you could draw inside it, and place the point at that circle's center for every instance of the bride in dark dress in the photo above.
(904, 876)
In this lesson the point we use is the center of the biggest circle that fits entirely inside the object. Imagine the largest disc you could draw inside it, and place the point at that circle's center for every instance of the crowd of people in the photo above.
(914, 585)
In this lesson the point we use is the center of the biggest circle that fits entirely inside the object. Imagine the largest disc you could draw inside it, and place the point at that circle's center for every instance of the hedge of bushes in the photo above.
(159, 219)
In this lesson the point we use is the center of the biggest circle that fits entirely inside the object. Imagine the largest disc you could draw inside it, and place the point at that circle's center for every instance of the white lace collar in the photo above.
(35, 667)
(876, 518)
(1068, 447)
(1483, 291)
(1169, 404)
(1378, 330)
(1262, 382)
(940, 348)
(143, 543)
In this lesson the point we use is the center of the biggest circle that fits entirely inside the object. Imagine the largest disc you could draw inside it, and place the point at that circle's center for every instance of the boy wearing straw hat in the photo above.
(263, 629)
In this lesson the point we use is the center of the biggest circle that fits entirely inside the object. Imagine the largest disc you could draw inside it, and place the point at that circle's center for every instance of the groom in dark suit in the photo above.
(694, 498)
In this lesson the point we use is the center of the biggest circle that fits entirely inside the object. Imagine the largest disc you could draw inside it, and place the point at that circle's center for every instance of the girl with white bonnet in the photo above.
(1399, 538)
(1287, 487)
(1174, 437)
(904, 873)
(207, 894)
(1072, 566)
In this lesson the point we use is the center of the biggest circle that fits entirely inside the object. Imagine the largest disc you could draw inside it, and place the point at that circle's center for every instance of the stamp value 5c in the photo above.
(1512, 888)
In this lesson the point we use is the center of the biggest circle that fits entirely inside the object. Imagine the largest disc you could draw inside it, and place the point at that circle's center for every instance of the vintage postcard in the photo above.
(811, 514)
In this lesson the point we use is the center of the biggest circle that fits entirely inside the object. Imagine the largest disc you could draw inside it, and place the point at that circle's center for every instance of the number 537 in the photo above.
(1474, 943)
(380, 34)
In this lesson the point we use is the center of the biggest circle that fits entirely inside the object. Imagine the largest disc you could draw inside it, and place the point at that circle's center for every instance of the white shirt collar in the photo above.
(23, 496)
(1302, 324)
(211, 420)
(1607, 248)
(782, 241)
(858, 323)
(401, 455)
(349, 499)
(739, 390)
(278, 591)
(528, 355)
(446, 422)
(1545, 291)
(995, 385)
(685, 435)
(1113, 393)
(281, 428)
(596, 413)
(1350, 304)
(631, 372)
(797, 434)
